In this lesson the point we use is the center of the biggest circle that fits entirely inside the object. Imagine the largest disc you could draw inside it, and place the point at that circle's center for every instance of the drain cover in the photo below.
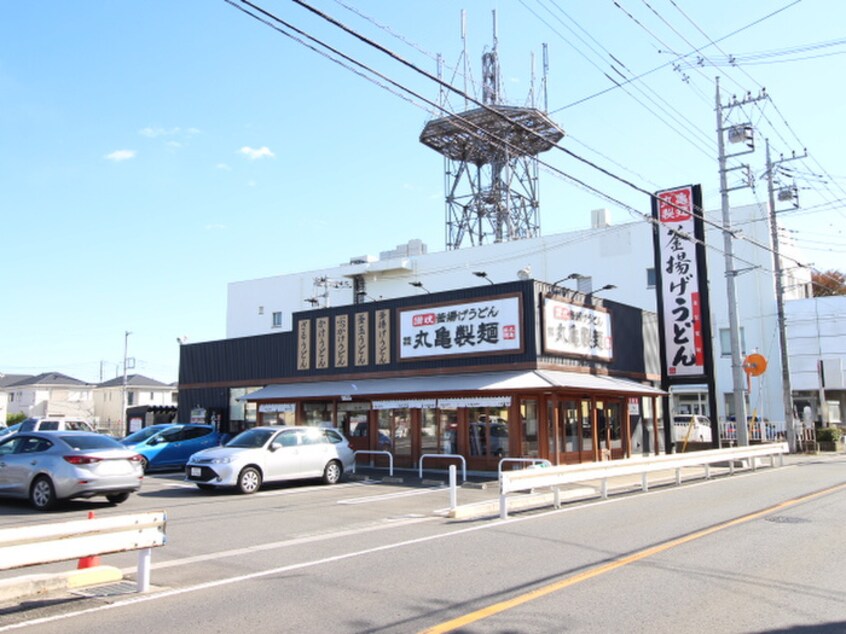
(110, 590)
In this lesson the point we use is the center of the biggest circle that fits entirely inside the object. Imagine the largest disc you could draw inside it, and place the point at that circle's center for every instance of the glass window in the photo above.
(195, 432)
(319, 414)
(488, 428)
(288, 438)
(92, 442)
(438, 431)
(354, 419)
(570, 423)
(251, 439)
(650, 277)
(241, 413)
(725, 342)
(529, 423)
(395, 431)
(332, 436)
(587, 428)
(277, 319)
(34, 445)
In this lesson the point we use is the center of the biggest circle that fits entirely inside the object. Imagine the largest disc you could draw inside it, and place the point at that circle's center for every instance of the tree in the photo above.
(828, 283)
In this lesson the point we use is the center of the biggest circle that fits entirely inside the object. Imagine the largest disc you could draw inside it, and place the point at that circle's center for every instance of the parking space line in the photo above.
(391, 496)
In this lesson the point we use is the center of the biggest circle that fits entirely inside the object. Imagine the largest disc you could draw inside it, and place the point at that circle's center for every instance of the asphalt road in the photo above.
(753, 552)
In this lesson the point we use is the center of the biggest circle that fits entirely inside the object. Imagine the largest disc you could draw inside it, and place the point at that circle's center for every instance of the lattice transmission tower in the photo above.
(491, 159)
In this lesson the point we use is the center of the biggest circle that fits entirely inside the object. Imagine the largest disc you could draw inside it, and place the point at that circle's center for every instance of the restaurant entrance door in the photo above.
(570, 433)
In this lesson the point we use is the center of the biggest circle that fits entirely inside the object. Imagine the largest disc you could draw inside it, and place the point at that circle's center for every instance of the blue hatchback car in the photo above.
(170, 446)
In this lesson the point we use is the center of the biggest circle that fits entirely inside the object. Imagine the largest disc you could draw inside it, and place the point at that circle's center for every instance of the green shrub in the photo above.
(828, 434)
(13, 419)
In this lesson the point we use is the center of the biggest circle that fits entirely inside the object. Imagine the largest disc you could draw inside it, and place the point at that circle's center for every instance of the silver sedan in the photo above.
(46, 467)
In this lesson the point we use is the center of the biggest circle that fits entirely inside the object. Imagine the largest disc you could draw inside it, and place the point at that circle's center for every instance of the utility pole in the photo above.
(737, 133)
(782, 332)
(124, 430)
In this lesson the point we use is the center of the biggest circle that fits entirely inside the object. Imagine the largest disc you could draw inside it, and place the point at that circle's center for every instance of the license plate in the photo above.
(114, 467)
(196, 472)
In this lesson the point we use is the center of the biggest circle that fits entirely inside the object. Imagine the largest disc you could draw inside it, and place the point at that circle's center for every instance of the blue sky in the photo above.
(152, 152)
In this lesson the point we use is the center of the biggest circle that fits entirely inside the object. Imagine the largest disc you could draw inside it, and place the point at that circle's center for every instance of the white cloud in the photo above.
(253, 154)
(152, 133)
(224, 167)
(121, 155)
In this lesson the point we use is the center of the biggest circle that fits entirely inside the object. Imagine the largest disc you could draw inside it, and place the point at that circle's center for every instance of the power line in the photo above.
(470, 126)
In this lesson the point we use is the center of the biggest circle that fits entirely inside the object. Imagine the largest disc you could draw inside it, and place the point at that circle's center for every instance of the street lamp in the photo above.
(572, 276)
(420, 285)
(607, 287)
(483, 275)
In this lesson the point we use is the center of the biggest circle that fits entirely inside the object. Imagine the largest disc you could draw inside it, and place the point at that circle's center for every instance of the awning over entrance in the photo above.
(484, 382)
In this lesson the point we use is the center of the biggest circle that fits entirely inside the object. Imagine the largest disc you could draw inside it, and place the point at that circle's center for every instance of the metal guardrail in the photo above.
(453, 456)
(379, 453)
(554, 477)
(39, 544)
(542, 461)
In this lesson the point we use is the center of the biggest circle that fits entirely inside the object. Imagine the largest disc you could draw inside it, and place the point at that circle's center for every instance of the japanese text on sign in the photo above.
(456, 329)
(681, 308)
(576, 330)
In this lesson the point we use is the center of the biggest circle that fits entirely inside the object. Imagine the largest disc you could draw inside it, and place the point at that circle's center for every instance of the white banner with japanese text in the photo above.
(576, 330)
(491, 325)
(679, 275)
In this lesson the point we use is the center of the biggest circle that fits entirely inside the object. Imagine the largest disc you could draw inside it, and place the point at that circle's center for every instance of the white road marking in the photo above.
(317, 562)
(287, 543)
(391, 496)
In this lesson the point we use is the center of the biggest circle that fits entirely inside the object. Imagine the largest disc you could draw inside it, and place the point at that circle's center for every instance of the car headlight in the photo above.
(221, 460)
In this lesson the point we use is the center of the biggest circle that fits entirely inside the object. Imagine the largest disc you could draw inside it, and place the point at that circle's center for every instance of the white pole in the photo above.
(145, 556)
(453, 489)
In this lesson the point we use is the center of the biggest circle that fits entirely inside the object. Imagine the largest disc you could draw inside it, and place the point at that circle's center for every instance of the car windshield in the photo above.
(10, 430)
(142, 434)
(91, 442)
(251, 439)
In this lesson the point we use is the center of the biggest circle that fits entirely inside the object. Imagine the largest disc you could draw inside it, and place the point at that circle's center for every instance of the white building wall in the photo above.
(608, 253)
(108, 402)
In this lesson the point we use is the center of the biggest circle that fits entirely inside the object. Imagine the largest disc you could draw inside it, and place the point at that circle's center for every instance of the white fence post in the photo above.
(145, 558)
(453, 488)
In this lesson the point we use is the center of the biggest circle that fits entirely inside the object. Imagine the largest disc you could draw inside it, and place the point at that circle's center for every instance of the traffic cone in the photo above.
(88, 562)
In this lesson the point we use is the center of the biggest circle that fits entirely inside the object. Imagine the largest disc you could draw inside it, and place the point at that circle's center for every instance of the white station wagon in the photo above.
(272, 454)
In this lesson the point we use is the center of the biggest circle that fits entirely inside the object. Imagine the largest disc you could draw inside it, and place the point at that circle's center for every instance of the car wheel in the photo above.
(206, 487)
(144, 464)
(249, 480)
(333, 472)
(118, 498)
(42, 494)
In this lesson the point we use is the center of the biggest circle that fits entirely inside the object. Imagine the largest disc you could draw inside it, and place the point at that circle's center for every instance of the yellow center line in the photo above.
(496, 608)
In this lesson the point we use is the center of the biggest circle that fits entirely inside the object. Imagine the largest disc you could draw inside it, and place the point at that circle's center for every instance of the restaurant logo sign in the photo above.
(575, 330)
(479, 327)
(680, 267)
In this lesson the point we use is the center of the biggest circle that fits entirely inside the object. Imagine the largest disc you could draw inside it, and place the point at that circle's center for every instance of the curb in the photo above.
(33, 586)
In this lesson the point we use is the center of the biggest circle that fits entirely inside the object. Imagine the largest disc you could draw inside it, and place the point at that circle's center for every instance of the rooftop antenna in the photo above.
(545, 77)
(464, 52)
(491, 160)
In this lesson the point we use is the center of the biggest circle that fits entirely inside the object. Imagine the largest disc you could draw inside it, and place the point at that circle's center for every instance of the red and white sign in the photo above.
(576, 330)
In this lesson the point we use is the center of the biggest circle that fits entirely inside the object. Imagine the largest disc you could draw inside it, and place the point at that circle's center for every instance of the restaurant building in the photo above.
(520, 369)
